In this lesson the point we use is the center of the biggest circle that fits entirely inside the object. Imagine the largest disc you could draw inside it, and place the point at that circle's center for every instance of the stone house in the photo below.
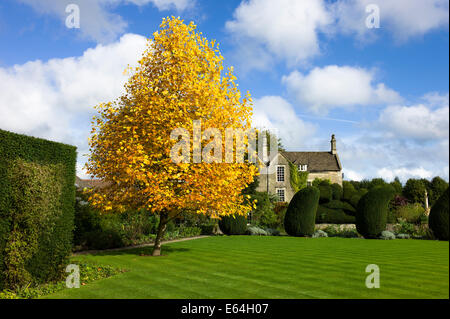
(323, 165)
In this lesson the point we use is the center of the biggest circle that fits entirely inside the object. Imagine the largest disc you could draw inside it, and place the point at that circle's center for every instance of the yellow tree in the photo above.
(178, 82)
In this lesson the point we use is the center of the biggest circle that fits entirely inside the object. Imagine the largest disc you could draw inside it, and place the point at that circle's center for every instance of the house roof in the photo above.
(316, 161)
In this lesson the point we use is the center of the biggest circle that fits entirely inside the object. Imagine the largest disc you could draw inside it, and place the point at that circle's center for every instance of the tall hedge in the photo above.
(37, 196)
(233, 225)
(372, 211)
(301, 213)
(438, 220)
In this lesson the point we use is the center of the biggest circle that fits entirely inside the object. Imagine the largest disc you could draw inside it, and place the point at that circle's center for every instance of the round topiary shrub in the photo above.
(233, 225)
(438, 220)
(301, 213)
(372, 210)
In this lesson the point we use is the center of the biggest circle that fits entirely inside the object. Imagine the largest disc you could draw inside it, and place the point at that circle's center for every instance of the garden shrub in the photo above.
(94, 230)
(264, 215)
(346, 207)
(273, 232)
(438, 187)
(319, 233)
(321, 182)
(256, 231)
(233, 225)
(387, 235)
(438, 219)
(98, 231)
(207, 229)
(377, 182)
(327, 215)
(411, 213)
(326, 193)
(348, 190)
(280, 211)
(183, 232)
(337, 191)
(397, 186)
(337, 231)
(354, 200)
(372, 210)
(37, 197)
(414, 190)
(404, 227)
(301, 213)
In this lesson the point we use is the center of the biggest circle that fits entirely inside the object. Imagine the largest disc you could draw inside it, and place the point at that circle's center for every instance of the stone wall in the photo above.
(334, 177)
(272, 179)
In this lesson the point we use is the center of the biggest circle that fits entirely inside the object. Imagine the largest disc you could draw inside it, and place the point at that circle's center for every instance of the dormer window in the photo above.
(303, 168)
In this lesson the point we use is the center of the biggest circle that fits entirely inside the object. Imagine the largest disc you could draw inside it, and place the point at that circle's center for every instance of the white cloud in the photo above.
(338, 87)
(369, 154)
(417, 122)
(404, 173)
(403, 18)
(97, 22)
(352, 175)
(276, 114)
(290, 30)
(405, 141)
(285, 28)
(436, 99)
(55, 99)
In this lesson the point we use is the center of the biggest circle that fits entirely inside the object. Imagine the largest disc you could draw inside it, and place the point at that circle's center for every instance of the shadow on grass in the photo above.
(142, 251)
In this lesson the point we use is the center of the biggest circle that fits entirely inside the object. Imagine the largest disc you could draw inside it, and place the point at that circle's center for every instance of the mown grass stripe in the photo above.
(275, 267)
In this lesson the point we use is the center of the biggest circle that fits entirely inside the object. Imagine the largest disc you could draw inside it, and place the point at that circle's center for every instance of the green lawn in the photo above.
(274, 267)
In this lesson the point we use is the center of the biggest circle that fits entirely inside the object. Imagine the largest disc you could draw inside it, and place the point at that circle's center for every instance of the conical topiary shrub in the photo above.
(301, 213)
(233, 225)
(372, 210)
(438, 220)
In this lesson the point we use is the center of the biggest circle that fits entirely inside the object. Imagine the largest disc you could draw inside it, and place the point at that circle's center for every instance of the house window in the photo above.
(280, 173)
(281, 193)
(303, 168)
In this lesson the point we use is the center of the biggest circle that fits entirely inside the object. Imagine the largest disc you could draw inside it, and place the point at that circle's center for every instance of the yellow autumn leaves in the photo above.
(178, 81)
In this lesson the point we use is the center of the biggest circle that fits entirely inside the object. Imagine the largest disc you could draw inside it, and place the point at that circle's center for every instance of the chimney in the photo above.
(333, 145)
(265, 150)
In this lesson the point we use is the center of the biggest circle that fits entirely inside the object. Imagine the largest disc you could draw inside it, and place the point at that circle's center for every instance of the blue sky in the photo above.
(313, 68)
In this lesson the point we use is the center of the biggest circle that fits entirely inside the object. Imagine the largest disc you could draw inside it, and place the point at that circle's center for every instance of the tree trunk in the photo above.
(163, 220)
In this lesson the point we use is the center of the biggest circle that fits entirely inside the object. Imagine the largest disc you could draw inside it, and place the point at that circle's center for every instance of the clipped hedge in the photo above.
(348, 190)
(372, 210)
(327, 215)
(338, 191)
(233, 225)
(301, 213)
(326, 193)
(336, 204)
(37, 196)
(438, 220)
